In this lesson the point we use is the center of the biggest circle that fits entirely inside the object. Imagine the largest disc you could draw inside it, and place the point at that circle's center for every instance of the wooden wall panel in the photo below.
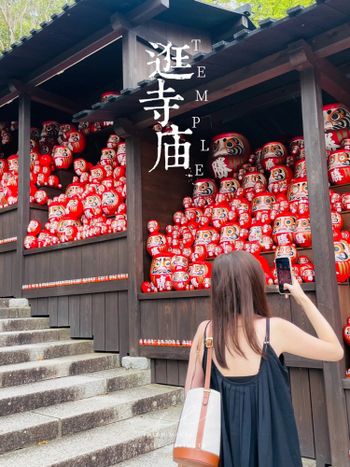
(8, 222)
(319, 418)
(8, 274)
(102, 316)
(83, 260)
(74, 315)
(300, 387)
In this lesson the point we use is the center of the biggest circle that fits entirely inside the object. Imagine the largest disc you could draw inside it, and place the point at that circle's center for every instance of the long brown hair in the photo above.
(238, 290)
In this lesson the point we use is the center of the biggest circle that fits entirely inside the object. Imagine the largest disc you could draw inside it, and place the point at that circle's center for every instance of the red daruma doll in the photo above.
(62, 157)
(160, 272)
(229, 151)
(200, 273)
(342, 260)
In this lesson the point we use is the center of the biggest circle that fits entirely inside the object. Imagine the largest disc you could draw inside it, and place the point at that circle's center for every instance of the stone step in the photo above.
(162, 457)
(20, 430)
(33, 337)
(71, 388)
(43, 351)
(14, 312)
(23, 324)
(101, 446)
(31, 372)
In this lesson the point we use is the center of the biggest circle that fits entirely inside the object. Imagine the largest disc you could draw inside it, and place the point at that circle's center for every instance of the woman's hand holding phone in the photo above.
(295, 290)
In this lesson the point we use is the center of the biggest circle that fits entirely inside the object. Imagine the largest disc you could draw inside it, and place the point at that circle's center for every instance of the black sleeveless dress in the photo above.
(258, 426)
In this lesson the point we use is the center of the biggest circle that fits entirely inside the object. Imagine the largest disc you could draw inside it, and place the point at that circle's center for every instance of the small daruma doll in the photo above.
(302, 234)
(228, 236)
(34, 227)
(280, 177)
(283, 229)
(273, 154)
(228, 187)
(204, 191)
(160, 272)
(342, 260)
(200, 273)
(339, 167)
(297, 149)
(220, 214)
(156, 243)
(80, 166)
(287, 250)
(62, 156)
(180, 280)
(262, 205)
(228, 152)
(110, 202)
(298, 196)
(336, 125)
(76, 141)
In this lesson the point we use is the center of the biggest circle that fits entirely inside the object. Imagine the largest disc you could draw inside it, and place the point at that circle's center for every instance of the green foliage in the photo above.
(19, 17)
(262, 9)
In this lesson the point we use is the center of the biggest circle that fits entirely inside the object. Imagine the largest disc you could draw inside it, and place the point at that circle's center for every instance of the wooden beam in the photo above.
(135, 239)
(147, 10)
(23, 210)
(45, 97)
(332, 42)
(332, 80)
(260, 102)
(323, 254)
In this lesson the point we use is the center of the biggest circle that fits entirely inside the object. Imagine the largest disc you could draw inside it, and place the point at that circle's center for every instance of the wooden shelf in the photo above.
(87, 241)
(307, 287)
(8, 209)
(341, 188)
(171, 353)
(77, 289)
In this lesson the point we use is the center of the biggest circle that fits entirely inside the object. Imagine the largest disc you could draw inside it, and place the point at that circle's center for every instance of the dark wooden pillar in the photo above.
(23, 211)
(131, 74)
(135, 240)
(326, 284)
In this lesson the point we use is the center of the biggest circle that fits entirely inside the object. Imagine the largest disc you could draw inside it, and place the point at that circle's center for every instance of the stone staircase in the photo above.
(63, 405)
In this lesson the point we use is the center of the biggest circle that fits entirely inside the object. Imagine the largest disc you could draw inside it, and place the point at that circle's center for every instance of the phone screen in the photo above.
(284, 274)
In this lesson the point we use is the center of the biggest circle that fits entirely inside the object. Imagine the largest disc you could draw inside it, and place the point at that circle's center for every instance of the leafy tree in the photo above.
(262, 9)
(19, 17)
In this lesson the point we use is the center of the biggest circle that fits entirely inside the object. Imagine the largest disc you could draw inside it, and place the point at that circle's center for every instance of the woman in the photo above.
(258, 424)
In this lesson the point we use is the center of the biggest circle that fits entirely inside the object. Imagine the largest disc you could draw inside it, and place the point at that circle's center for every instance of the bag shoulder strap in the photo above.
(209, 345)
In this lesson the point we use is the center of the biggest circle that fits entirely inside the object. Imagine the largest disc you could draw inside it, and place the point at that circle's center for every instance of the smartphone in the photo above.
(284, 273)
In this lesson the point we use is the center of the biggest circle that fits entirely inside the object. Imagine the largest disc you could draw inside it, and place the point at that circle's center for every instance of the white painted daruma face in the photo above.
(336, 117)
